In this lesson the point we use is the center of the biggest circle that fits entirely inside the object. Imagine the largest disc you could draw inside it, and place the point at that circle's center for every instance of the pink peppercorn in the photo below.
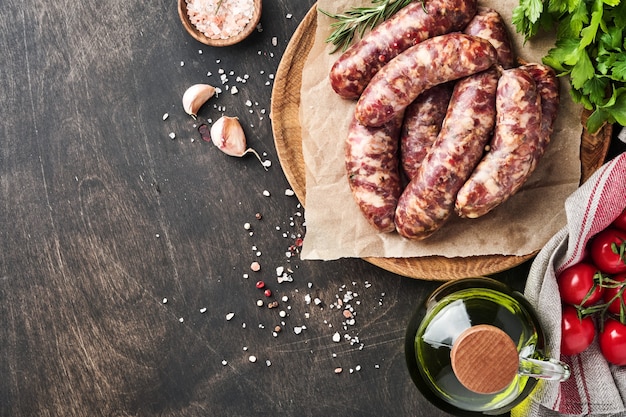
(260, 284)
(268, 293)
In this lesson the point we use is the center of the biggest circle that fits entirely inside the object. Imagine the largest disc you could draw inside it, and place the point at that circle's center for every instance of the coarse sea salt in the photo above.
(220, 19)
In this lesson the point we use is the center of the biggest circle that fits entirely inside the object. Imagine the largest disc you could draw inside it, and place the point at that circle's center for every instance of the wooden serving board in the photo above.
(285, 112)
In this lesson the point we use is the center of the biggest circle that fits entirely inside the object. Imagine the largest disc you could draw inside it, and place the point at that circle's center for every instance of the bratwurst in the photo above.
(371, 157)
(411, 25)
(514, 147)
(422, 122)
(428, 200)
(488, 24)
(435, 61)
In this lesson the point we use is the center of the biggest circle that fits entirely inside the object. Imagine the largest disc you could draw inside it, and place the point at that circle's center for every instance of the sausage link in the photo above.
(414, 23)
(548, 88)
(422, 122)
(488, 24)
(428, 200)
(435, 61)
(371, 157)
(511, 158)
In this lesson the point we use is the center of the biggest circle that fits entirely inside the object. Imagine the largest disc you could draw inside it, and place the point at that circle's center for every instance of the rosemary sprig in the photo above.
(360, 19)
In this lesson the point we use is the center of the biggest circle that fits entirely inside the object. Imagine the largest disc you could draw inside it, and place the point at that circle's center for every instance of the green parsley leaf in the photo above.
(619, 68)
(588, 34)
(595, 89)
(582, 71)
(597, 119)
(577, 20)
(618, 109)
(565, 51)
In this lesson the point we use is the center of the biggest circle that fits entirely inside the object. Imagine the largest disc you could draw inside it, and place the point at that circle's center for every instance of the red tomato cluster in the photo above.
(593, 293)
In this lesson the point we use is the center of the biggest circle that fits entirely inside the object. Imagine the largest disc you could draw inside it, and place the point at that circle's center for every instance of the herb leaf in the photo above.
(358, 20)
(590, 49)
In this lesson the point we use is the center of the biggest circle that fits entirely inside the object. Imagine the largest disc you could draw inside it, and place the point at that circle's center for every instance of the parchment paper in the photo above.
(335, 225)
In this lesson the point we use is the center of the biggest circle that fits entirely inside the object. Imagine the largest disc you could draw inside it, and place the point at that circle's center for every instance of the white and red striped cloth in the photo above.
(595, 387)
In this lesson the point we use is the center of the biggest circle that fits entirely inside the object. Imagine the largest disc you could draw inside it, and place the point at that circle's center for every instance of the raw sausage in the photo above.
(414, 23)
(422, 122)
(488, 24)
(512, 157)
(432, 62)
(428, 200)
(371, 157)
(548, 88)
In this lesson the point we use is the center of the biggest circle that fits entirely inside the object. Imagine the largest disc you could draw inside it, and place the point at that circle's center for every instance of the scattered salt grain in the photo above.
(252, 358)
(266, 193)
(230, 316)
(337, 337)
(338, 370)
(165, 116)
(203, 310)
(165, 301)
(172, 135)
(289, 192)
(268, 363)
(224, 362)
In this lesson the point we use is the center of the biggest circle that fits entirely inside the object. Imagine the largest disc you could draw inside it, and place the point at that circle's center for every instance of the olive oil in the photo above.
(451, 310)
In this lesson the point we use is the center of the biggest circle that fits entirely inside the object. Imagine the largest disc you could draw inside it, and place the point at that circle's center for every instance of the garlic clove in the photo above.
(229, 137)
(195, 96)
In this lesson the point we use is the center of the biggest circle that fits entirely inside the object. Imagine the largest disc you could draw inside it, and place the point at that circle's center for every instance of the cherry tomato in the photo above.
(577, 284)
(608, 251)
(620, 222)
(612, 341)
(576, 334)
(611, 295)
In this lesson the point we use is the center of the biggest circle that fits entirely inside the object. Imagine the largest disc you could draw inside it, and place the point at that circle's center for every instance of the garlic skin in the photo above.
(195, 96)
(229, 137)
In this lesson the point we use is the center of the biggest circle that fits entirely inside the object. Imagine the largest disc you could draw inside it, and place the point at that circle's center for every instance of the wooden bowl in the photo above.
(200, 37)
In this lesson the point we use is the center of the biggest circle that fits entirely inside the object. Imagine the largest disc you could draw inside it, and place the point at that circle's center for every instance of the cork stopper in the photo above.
(484, 359)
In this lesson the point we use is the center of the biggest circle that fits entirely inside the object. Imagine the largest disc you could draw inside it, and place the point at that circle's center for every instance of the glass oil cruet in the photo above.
(476, 347)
